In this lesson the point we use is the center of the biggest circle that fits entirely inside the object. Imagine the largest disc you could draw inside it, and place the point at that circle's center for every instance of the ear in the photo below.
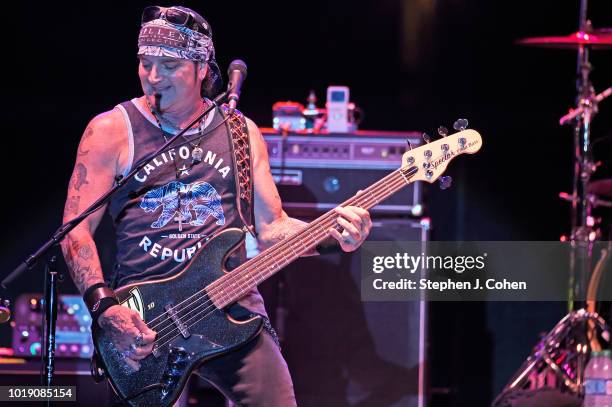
(202, 70)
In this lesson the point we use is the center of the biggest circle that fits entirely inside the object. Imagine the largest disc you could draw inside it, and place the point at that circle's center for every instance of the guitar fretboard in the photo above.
(241, 280)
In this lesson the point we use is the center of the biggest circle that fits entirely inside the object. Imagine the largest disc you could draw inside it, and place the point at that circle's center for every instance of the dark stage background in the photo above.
(411, 65)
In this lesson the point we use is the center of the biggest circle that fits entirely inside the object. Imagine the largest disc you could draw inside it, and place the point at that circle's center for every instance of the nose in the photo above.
(154, 75)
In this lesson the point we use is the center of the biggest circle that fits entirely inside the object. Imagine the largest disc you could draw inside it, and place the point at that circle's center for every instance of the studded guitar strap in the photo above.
(241, 154)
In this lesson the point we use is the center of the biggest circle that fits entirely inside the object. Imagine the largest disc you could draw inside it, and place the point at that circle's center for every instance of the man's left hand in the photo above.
(356, 223)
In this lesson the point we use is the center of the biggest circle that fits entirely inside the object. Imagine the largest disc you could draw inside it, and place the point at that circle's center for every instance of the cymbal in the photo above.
(598, 39)
(602, 187)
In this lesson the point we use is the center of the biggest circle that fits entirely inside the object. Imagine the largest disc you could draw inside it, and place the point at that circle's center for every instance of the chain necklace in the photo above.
(196, 157)
(197, 153)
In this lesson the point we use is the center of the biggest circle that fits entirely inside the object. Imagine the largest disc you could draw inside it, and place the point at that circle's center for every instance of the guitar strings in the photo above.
(397, 184)
(235, 273)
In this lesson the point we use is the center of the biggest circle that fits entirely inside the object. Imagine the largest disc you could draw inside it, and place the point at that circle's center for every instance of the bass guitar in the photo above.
(195, 313)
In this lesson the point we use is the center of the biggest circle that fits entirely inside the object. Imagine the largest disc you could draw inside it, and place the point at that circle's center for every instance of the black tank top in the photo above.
(160, 219)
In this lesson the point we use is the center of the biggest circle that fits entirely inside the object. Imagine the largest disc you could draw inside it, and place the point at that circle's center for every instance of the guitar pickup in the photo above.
(177, 321)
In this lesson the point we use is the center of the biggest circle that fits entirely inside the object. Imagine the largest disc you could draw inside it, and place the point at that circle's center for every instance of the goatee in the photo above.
(157, 104)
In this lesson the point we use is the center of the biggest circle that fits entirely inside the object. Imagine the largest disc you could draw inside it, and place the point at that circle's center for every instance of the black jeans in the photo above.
(254, 375)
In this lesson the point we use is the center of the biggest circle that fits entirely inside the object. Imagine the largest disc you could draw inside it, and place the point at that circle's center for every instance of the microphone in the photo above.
(237, 73)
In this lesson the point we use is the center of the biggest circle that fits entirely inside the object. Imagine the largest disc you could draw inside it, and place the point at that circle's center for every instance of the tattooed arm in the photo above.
(101, 156)
(273, 224)
(99, 159)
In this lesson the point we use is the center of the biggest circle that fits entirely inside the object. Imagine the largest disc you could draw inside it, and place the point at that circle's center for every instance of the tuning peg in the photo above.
(445, 182)
(426, 138)
(460, 124)
(443, 131)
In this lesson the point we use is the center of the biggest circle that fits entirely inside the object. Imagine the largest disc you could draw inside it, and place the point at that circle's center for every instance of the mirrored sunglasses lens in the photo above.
(175, 16)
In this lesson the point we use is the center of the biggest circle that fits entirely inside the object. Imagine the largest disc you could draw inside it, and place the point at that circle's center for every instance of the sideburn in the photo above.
(196, 70)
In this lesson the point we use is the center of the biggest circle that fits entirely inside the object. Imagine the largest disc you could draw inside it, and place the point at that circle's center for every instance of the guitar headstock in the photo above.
(430, 160)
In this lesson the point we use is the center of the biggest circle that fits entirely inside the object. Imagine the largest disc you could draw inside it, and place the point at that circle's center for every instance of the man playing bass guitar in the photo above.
(184, 195)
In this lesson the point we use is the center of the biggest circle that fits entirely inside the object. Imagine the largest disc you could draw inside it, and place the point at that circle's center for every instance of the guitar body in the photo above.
(219, 332)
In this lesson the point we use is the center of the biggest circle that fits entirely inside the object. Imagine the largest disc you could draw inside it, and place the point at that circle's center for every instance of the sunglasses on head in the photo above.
(173, 16)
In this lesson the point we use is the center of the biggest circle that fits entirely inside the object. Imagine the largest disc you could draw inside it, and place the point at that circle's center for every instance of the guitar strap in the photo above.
(242, 160)
(241, 154)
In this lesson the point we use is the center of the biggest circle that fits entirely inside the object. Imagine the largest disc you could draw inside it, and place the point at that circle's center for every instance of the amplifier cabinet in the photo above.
(342, 351)
(315, 173)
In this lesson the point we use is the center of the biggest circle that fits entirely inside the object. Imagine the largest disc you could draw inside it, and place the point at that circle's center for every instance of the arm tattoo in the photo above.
(82, 152)
(281, 229)
(72, 205)
(88, 133)
(116, 322)
(80, 268)
(85, 253)
(79, 178)
(80, 258)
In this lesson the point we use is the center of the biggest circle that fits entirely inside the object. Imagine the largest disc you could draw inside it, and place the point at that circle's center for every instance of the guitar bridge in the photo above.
(177, 321)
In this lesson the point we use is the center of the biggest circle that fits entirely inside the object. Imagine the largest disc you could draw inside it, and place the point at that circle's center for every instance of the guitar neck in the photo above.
(241, 280)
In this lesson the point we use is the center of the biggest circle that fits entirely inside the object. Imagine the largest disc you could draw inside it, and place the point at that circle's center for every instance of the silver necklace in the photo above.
(197, 153)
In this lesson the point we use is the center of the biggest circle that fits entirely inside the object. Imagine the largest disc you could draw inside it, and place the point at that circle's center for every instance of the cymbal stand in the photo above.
(582, 226)
(582, 232)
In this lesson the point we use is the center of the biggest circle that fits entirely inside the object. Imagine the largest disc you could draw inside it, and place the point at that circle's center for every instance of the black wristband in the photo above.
(90, 290)
(100, 306)
(98, 298)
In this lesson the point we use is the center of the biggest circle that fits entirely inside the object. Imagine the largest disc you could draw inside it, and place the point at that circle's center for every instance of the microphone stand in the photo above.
(58, 236)
(51, 277)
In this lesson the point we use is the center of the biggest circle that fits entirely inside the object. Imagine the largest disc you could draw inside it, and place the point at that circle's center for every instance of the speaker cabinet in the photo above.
(342, 351)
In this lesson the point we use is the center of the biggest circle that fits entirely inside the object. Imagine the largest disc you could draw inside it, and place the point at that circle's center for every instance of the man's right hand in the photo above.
(128, 333)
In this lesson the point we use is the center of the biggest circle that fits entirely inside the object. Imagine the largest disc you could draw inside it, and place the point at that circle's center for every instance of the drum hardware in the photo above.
(560, 350)
(595, 39)
(593, 198)
(565, 349)
(582, 199)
